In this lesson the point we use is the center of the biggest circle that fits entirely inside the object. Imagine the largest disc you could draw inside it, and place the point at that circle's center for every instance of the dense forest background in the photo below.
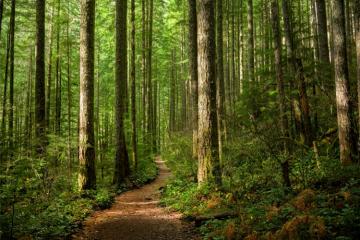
(253, 104)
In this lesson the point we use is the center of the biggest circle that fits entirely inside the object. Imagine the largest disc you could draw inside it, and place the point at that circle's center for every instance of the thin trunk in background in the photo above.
(133, 87)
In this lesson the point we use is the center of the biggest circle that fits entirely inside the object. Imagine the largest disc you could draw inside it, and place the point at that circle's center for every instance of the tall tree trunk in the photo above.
(4, 103)
(251, 59)
(342, 83)
(69, 47)
(149, 84)
(193, 74)
(11, 73)
(220, 90)
(304, 108)
(1, 14)
(133, 87)
(122, 169)
(280, 88)
(172, 104)
(49, 75)
(58, 76)
(40, 123)
(87, 174)
(320, 9)
(208, 152)
(143, 64)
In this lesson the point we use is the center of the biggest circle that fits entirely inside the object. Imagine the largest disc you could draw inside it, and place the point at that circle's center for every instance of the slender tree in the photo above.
(122, 169)
(1, 13)
(87, 175)
(11, 73)
(193, 73)
(280, 87)
(208, 152)
(40, 76)
(220, 90)
(133, 86)
(303, 112)
(342, 82)
(321, 23)
(357, 40)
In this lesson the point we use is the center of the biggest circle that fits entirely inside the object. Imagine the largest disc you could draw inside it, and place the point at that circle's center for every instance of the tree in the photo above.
(122, 169)
(220, 93)
(321, 23)
(40, 76)
(342, 82)
(133, 86)
(1, 13)
(280, 87)
(357, 40)
(251, 59)
(208, 152)
(11, 72)
(87, 175)
(193, 73)
(303, 113)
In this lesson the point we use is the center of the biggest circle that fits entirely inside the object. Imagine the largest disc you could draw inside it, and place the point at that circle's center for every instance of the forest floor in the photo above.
(137, 215)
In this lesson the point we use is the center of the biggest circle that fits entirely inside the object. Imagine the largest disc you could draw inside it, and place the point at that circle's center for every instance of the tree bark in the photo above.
(208, 152)
(87, 174)
(122, 169)
(251, 59)
(342, 82)
(40, 123)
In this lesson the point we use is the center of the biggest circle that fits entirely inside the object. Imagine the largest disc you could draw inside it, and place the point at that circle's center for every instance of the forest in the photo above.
(174, 119)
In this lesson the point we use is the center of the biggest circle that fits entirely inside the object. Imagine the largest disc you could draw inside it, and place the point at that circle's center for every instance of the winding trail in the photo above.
(136, 215)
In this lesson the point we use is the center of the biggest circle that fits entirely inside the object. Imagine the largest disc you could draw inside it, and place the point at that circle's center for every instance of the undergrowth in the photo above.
(39, 200)
(323, 203)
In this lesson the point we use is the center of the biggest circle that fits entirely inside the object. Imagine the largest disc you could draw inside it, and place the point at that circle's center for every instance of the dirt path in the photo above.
(136, 215)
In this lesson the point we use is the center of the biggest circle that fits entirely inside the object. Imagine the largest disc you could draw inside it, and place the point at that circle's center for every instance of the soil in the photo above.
(136, 215)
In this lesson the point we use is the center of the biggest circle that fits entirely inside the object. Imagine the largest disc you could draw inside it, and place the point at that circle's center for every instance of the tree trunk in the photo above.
(149, 84)
(87, 174)
(4, 103)
(58, 77)
(208, 152)
(320, 9)
(280, 87)
(220, 93)
(251, 60)
(342, 83)
(133, 86)
(357, 40)
(40, 123)
(122, 169)
(193, 74)
(304, 108)
(1, 14)
(11, 73)
(49, 75)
